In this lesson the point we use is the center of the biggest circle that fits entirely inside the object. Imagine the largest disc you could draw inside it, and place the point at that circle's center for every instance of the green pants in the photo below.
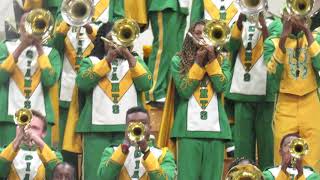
(229, 108)
(93, 147)
(200, 159)
(8, 133)
(168, 28)
(253, 123)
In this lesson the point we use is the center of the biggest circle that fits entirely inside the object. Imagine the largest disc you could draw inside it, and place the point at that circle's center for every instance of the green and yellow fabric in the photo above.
(277, 174)
(30, 83)
(248, 90)
(226, 10)
(200, 125)
(159, 164)
(168, 23)
(28, 163)
(295, 78)
(52, 5)
(101, 11)
(110, 91)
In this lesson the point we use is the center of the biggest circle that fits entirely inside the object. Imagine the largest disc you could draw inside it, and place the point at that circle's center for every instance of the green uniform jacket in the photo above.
(112, 165)
(50, 73)
(233, 46)
(186, 86)
(308, 174)
(273, 56)
(88, 78)
(174, 5)
(48, 157)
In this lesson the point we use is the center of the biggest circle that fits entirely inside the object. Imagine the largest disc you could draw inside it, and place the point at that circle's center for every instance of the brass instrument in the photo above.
(298, 148)
(77, 12)
(244, 172)
(40, 23)
(136, 131)
(124, 33)
(300, 7)
(216, 33)
(23, 116)
(252, 9)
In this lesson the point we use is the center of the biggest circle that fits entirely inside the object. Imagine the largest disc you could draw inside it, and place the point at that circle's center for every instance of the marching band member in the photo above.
(28, 156)
(140, 161)
(112, 80)
(293, 62)
(28, 70)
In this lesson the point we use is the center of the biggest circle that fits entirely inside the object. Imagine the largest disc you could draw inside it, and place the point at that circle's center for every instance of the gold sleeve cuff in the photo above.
(8, 153)
(46, 154)
(44, 62)
(93, 35)
(63, 28)
(196, 72)
(279, 55)
(236, 33)
(151, 163)
(101, 68)
(282, 175)
(213, 68)
(8, 64)
(118, 156)
(314, 49)
(138, 70)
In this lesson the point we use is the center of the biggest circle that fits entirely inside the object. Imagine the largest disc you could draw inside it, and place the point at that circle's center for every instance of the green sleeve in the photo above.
(183, 82)
(316, 58)
(143, 82)
(108, 169)
(275, 27)
(49, 76)
(220, 81)
(116, 10)
(52, 164)
(314, 176)
(5, 165)
(267, 175)
(197, 11)
(274, 68)
(168, 168)
(4, 75)
(87, 79)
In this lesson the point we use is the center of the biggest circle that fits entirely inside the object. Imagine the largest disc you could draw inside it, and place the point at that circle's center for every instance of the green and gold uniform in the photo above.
(277, 174)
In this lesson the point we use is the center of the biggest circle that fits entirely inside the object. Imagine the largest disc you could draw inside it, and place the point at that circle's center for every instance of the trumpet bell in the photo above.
(125, 31)
(23, 116)
(244, 172)
(77, 12)
(300, 7)
(298, 148)
(40, 23)
(217, 32)
(136, 131)
(252, 7)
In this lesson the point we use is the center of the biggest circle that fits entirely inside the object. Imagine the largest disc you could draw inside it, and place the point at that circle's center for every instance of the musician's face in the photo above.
(198, 31)
(37, 127)
(63, 172)
(137, 117)
(286, 144)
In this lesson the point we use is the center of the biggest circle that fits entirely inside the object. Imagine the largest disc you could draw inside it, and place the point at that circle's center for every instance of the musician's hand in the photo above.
(286, 161)
(241, 18)
(302, 26)
(143, 145)
(212, 54)
(19, 137)
(200, 56)
(38, 44)
(287, 29)
(263, 24)
(34, 138)
(299, 167)
(111, 55)
(127, 55)
(88, 28)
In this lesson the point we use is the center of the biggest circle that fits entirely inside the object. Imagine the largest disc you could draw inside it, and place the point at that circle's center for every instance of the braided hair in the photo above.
(99, 50)
(189, 50)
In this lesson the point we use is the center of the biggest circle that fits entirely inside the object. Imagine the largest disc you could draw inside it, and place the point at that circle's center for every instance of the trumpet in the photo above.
(252, 9)
(23, 116)
(216, 33)
(244, 171)
(77, 13)
(300, 7)
(40, 23)
(136, 131)
(124, 33)
(298, 148)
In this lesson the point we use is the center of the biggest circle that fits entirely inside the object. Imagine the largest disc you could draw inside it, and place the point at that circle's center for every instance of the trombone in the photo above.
(244, 171)
(77, 13)
(252, 9)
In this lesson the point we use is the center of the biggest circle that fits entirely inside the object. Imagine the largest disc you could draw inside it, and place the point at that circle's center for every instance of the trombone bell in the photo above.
(136, 131)
(216, 32)
(77, 12)
(244, 172)
(23, 116)
(300, 7)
